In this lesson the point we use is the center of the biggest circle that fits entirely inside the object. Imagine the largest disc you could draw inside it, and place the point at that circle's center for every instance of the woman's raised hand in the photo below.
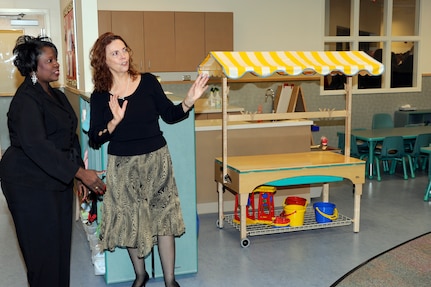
(117, 110)
(196, 90)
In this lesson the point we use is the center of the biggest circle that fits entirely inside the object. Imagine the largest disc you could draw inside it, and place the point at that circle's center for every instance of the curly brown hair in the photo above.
(102, 77)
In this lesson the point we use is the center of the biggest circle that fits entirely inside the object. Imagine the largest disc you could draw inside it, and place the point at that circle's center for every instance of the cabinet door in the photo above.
(130, 26)
(189, 40)
(104, 21)
(159, 30)
(218, 31)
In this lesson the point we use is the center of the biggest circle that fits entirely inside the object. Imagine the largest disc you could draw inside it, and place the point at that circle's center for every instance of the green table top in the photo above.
(380, 134)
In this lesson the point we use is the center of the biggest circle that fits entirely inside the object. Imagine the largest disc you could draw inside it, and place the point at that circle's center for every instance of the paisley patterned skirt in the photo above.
(141, 202)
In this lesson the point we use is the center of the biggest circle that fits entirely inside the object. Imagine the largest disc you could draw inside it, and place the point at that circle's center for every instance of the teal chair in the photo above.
(382, 121)
(357, 151)
(393, 152)
(416, 157)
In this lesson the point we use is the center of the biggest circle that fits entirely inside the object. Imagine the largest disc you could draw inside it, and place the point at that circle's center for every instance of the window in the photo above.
(385, 29)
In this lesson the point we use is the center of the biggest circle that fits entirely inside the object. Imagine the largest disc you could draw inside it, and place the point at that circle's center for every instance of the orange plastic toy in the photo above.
(265, 211)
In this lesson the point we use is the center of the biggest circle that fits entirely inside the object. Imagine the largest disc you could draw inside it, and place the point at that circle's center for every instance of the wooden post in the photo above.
(348, 118)
(224, 127)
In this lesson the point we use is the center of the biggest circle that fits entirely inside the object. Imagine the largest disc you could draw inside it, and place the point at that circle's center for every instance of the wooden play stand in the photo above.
(241, 175)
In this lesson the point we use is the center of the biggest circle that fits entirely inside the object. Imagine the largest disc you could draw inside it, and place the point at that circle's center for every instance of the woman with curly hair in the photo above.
(141, 206)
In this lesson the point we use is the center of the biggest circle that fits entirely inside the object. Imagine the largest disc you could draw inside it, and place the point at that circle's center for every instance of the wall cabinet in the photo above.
(104, 21)
(159, 34)
(113, 21)
(133, 36)
(170, 41)
(189, 40)
(218, 31)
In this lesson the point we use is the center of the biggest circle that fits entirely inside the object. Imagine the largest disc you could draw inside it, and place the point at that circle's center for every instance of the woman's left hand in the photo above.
(197, 90)
(82, 190)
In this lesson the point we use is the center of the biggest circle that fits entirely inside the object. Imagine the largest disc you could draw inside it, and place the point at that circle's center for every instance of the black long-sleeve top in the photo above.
(45, 150)
(139, 131)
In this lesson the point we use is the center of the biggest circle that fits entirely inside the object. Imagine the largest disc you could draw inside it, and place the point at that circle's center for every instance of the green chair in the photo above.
(357, 151)
(416, 157)
(393, 151)
(382, 121)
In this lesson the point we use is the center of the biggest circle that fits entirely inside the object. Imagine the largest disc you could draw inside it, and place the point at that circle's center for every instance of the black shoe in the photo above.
(146, 279)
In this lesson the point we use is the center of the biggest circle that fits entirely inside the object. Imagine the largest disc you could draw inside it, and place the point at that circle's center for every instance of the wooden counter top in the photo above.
(202, 107)
(213, 125)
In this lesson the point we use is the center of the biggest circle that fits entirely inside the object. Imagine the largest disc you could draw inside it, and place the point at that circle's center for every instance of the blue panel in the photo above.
(306, 179)
(118, 267)
(181, 143)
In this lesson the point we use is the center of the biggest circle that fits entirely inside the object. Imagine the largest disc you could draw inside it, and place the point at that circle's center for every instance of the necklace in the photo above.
(127, 88)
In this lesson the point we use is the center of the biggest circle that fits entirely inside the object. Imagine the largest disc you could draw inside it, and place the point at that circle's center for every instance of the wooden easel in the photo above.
(296, 102)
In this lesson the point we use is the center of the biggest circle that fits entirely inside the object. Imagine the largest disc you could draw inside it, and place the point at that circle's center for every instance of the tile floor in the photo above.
(393, 211)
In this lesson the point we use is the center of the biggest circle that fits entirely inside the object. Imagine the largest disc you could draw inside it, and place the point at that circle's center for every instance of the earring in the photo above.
(33, 78)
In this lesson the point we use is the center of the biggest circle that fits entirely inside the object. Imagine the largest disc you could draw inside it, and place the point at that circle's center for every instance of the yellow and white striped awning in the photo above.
(265, 63)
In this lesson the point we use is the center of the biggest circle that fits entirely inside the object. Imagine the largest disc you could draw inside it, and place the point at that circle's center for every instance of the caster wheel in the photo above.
(245, 242)
(218, 224)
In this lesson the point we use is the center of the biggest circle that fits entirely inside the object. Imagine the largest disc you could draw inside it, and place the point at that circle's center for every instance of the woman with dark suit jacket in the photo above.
(37, 171)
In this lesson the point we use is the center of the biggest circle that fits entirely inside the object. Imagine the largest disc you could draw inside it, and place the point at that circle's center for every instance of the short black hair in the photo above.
(27, 52)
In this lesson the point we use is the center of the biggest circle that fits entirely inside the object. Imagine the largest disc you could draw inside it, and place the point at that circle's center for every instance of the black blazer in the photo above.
(44, 151)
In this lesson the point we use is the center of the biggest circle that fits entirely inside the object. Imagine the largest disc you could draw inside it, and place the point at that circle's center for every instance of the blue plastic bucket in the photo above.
(325, 212)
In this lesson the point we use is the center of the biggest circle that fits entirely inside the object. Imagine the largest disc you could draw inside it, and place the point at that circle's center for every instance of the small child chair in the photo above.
(393, 151)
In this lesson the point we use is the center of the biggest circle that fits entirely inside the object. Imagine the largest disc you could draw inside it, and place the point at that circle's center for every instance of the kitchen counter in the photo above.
(216, 124)
(203, 111)
(202, 107)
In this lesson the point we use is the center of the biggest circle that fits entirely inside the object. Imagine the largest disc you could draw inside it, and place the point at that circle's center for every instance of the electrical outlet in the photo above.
(187, 78)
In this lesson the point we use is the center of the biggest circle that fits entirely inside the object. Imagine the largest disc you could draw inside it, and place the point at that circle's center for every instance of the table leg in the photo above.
(220, 191)
(357, 207)
(371, 147)
(325, 192)
(428, 189)
(243, 199)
